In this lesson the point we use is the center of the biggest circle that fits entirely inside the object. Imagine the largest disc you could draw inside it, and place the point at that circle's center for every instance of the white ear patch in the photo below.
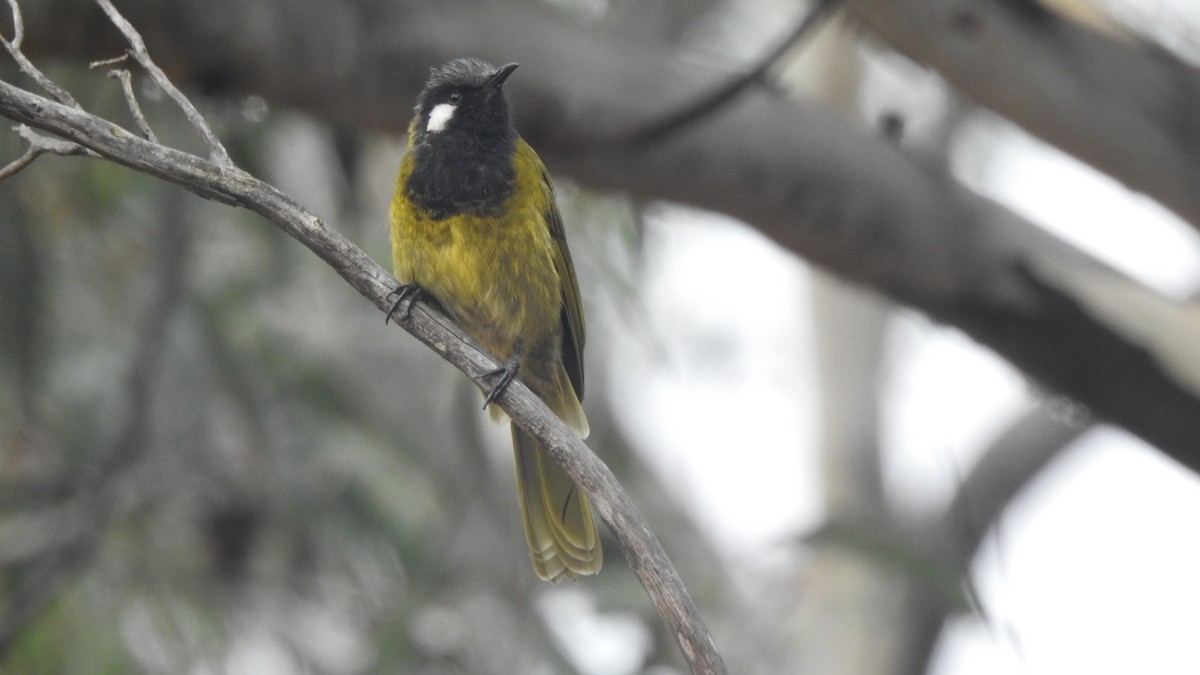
(439, 117)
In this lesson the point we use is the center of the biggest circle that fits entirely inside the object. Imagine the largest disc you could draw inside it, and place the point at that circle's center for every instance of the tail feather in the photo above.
(560, 529)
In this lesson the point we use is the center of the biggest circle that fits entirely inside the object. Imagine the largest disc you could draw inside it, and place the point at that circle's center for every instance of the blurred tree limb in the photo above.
(721, 95)
(1130, 109)
(218, 179)
(934, 554)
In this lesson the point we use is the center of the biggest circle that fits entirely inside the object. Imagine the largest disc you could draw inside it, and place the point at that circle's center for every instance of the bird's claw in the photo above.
(507, 372)
(410, 292)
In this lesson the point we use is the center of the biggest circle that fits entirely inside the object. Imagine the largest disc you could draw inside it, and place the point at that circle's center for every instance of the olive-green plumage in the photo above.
(474, 224)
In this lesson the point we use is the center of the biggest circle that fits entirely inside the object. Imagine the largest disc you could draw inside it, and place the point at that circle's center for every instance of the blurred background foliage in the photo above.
(215, 457)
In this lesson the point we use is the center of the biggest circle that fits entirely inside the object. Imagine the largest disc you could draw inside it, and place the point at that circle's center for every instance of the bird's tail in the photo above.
(562, 536)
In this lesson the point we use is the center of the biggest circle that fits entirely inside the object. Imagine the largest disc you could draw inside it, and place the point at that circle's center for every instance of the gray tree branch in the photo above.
(953, 537)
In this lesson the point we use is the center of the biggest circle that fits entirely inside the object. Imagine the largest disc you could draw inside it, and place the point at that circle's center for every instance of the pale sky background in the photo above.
(1094, 568)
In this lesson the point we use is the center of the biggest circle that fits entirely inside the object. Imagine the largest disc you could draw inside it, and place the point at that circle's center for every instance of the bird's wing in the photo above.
(572, 307)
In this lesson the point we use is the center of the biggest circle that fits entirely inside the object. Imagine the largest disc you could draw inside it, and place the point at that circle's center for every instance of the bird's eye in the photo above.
(455, 96)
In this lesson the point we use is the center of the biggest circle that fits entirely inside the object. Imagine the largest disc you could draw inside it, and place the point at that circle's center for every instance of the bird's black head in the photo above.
(463, 142)
(464, 97)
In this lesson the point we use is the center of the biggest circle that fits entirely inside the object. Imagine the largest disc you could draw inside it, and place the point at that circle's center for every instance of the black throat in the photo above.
(456, 172)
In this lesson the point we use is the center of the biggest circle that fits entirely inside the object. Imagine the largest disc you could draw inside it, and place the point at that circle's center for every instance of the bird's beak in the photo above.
(498, 77)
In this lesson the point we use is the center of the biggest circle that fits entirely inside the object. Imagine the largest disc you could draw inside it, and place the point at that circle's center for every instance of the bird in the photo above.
(476, 229)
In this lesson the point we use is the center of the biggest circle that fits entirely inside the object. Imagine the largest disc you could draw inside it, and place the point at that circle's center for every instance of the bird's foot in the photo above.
(507, 372)
(410, 292)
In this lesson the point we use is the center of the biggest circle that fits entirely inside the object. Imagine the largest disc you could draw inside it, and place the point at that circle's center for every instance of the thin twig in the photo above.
(709, 103)
(216, 151)
(126, 80)
(20, 163)
(50, 144)
(131, 100)
(26, 66)
(114, 61)
(39, 145)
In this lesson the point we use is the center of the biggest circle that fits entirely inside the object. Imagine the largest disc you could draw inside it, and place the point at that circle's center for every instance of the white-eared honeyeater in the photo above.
(475, 227)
